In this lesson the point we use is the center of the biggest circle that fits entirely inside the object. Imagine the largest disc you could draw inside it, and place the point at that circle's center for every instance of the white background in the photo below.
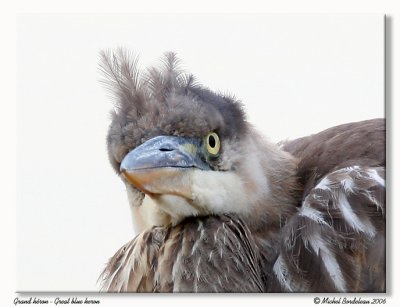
(93, 227)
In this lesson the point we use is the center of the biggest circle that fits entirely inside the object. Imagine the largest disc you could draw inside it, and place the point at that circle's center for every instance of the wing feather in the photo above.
(335, 243)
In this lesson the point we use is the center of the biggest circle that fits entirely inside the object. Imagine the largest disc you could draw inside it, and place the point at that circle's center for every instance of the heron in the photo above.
(217, 207)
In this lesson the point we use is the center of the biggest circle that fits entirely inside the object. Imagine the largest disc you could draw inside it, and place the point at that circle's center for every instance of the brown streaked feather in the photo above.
(133, 267)
(336, 241)
(208, 254)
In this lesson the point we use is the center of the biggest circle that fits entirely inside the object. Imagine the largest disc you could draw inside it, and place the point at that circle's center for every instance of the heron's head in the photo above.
(183, 150)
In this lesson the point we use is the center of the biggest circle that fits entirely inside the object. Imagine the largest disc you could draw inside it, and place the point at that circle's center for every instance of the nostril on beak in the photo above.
(166, 149)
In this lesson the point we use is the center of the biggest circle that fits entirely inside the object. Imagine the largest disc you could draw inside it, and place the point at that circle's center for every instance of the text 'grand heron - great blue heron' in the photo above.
(220, 209)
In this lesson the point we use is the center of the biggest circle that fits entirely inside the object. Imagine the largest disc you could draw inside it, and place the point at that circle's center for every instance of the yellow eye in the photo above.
(213, 143)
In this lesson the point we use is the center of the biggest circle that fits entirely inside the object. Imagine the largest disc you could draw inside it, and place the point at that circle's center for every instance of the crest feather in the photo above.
(121, 74)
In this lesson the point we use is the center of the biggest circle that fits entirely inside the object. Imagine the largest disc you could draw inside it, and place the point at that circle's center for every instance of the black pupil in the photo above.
(211, 141)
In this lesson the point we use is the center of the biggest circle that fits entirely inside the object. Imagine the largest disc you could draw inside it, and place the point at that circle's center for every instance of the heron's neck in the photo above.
(273, 170)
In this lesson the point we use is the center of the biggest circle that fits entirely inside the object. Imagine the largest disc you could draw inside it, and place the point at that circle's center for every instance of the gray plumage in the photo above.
(164, 101)
(239, 214)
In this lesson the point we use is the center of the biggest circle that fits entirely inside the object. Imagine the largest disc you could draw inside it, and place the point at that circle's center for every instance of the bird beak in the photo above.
(163, 165)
